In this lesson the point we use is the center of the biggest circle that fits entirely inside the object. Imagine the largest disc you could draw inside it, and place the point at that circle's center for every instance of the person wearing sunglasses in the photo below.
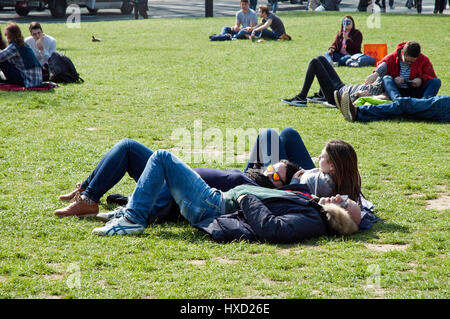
(346, 44)
(130, 156)
(406, 72)
(337, 171)
(244, 212)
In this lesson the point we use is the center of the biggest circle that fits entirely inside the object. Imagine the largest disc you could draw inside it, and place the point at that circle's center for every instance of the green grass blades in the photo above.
(147, 79)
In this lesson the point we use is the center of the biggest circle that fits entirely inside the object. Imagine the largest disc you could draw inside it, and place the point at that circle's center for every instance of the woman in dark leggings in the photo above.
(329, 82)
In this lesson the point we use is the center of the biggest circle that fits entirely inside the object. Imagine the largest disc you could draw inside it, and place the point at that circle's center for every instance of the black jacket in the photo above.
(286, 219)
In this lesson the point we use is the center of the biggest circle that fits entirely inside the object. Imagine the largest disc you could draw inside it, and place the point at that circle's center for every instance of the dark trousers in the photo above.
(11, 73)
(439, 6)
(383, 3)
(45, 73)
(140, 7)
(329, 80)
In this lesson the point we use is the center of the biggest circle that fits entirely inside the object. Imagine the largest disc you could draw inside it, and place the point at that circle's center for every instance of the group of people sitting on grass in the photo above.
(25, 61)
(247, 26)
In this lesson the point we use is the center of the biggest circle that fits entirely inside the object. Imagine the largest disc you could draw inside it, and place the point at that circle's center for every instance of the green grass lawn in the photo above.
(149, 78)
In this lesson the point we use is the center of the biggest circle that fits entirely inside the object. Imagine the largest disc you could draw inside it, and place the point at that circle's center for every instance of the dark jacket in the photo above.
(286, 219)
(353, 43)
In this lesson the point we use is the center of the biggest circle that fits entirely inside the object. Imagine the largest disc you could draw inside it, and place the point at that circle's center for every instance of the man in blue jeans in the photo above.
(435, 108)
(246, 18)
(129, 156)
(407, 72)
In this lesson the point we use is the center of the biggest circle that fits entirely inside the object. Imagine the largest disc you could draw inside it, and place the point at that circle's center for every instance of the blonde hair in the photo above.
(340, 220)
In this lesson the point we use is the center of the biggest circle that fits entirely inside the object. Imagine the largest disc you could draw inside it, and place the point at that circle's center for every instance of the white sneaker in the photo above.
(119, 226)
(106, 217)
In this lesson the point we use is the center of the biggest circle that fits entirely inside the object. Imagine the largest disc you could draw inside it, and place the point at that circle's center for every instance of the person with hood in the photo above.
(346, 44)
(406, 72)
(18, 61)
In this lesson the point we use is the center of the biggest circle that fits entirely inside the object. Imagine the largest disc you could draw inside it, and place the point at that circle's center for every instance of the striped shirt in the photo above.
(31, 77)
(376, 88)
(405, 70)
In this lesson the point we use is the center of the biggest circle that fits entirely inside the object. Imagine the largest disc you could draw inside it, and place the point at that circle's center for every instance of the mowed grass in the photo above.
(147, 79)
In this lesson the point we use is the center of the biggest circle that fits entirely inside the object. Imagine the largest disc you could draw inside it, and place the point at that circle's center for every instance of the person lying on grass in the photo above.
(435, 109)
(274, 160)
(245, 212)
(129, 156)
(330, 82)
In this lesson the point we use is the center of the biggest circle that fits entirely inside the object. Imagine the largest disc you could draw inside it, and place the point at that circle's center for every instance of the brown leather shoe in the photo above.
(80, 208)
(70, 196)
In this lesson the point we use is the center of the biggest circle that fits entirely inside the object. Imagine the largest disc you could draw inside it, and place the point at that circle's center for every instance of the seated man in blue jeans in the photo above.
(435, 109)
(407, 72)
(269, 20)
(246, 18)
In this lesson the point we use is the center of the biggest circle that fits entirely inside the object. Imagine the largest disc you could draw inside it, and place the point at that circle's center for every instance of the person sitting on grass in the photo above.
(245, 212)
(407, 72)
(246, 18)
(435, 109)
(18, 61)
(269, 20)
(346, 47)
(42, 45)
(329, 82)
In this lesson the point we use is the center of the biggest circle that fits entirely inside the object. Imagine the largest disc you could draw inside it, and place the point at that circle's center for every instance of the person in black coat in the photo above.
(285, 219)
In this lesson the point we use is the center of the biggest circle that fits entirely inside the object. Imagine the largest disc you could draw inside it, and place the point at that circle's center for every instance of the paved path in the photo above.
(196, 8)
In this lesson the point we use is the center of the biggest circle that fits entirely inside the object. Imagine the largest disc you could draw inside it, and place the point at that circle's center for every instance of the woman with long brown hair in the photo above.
(337, 171)
(18, 61)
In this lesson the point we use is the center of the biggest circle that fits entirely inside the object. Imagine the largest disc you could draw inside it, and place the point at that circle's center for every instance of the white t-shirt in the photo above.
(49, 48)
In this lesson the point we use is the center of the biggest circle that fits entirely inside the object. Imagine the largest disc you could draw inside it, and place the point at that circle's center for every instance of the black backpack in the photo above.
(62, 70)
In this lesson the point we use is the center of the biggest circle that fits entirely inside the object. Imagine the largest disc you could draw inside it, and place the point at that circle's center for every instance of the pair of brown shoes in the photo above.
(79, 206)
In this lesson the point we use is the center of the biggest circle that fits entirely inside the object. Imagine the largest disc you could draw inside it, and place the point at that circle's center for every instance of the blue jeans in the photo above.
(127, 156)
(435, 108)
(197, 201)
(274, 6)
(429, 89)
(270, 148)
(337, 57)
(361, 60)
(241, 34)
(268, 34)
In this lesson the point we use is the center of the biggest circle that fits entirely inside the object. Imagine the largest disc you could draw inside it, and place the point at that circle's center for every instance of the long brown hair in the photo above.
(345, 173)
(15, 35)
